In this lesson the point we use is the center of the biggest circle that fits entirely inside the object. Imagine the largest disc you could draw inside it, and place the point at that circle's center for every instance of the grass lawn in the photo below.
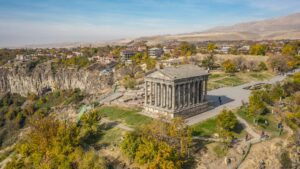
(271, 128)
(129, 116)
(112, 137)
(205, 129)
(209, 127)
(218, 80)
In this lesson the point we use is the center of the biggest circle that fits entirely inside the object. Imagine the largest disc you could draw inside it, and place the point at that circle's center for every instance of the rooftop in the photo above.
(179, 72)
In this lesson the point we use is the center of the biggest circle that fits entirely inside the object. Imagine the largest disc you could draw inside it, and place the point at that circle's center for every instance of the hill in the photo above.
(287, 27)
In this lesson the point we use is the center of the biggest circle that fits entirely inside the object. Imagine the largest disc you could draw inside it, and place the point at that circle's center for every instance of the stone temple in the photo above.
(176, 91)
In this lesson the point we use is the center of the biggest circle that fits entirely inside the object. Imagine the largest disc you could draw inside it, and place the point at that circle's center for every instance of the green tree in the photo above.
(209, 62)
(226, 120)
(262, 66)
(257, 105)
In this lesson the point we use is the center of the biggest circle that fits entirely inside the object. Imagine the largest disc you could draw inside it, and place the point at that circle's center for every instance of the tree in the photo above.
(257, 105)
(289, 50)
(186, 49)
(209, 62)
(240, 63)
(226, 120)
(229, 66)
(278, 63)
(262, 66)
(159, 144)
(258, 49)
(211, 47)
(51, 143)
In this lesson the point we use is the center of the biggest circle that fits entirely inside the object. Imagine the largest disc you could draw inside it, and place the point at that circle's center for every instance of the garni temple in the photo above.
(179, 91)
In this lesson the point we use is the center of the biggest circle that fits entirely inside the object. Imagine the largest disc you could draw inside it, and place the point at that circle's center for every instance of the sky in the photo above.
(31, 22)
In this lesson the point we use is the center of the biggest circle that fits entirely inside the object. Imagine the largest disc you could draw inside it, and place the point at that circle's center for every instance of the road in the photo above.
(232, 97)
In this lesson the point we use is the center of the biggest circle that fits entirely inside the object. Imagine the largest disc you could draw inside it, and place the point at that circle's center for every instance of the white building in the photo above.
(225, 49)
(155, 52)
(23, 57)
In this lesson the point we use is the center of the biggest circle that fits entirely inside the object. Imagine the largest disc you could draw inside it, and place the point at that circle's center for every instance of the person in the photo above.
(220, 100)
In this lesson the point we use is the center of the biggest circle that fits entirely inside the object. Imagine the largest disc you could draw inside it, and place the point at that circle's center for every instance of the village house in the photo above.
(126, 55)
(244, 49)
(155, 52)
(23, 58)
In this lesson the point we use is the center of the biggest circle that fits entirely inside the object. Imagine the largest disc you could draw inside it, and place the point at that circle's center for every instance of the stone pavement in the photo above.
(232, 97)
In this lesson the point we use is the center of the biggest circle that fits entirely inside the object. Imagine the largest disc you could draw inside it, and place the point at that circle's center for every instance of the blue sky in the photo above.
(52, 21)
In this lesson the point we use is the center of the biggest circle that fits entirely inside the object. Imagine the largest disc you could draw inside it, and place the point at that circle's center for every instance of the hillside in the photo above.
(287, 27)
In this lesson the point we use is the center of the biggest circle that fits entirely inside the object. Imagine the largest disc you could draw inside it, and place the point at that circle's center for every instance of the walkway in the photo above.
(232, 97)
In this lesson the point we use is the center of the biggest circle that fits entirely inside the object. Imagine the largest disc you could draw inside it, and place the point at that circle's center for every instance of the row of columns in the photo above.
(175, 96)
(160, 94)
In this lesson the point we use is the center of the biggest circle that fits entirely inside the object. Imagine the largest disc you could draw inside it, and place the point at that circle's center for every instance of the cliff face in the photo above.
(18, 79)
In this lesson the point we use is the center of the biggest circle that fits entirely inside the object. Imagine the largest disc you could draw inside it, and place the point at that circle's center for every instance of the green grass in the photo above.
(230, 81)
(209, 127)
(271, 128)
(205, 129)
(111, 137)
(219, 80)
(213, 76)
(129, 116)
(259, 76)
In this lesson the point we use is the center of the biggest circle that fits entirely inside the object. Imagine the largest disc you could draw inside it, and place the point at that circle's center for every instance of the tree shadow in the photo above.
(239, 127)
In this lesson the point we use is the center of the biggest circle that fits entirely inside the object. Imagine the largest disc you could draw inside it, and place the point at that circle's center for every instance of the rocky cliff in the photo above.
(20, 79)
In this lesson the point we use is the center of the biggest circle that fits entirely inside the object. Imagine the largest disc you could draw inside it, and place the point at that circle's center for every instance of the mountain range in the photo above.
(287, 27)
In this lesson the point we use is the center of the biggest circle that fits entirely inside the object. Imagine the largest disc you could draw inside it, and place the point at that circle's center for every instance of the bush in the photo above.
(229, 66)
(262, 66)
(129, 83)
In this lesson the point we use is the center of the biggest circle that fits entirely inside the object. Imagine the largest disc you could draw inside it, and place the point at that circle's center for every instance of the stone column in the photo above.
(166, 96)
(173, 97)
(188, 94)
(146, 93)
(196, 92)
(151, 91)
(183, 95)
(155, 94)
(168, 105)
(200, 90)
(205, 91)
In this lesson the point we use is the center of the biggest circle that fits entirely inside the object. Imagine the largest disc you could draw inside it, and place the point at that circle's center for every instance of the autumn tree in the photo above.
(159, 144)
(258, 49)
(226, 122)
(289, 50)
(211, 47)
(229, 66)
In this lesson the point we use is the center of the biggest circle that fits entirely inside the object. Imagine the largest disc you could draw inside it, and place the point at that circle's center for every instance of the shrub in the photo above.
(229, 66)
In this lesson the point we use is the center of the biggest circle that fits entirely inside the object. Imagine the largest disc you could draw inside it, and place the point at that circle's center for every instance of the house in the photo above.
(126, 54)
(224, 49)
(167, 49)
(23, 58)
(155, 52)
(244, 49)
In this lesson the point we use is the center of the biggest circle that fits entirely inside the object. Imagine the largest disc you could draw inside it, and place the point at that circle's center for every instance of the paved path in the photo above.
(232, 97)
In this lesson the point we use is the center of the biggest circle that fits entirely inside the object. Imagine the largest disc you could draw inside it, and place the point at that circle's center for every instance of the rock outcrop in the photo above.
(19, 79)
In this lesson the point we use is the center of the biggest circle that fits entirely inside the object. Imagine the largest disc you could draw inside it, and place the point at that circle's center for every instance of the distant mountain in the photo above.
(287, 27)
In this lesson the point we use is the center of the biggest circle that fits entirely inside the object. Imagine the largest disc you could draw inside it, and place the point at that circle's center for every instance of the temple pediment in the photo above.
(159, 75)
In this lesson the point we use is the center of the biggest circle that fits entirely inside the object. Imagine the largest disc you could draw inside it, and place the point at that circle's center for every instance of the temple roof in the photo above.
(178, 72)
